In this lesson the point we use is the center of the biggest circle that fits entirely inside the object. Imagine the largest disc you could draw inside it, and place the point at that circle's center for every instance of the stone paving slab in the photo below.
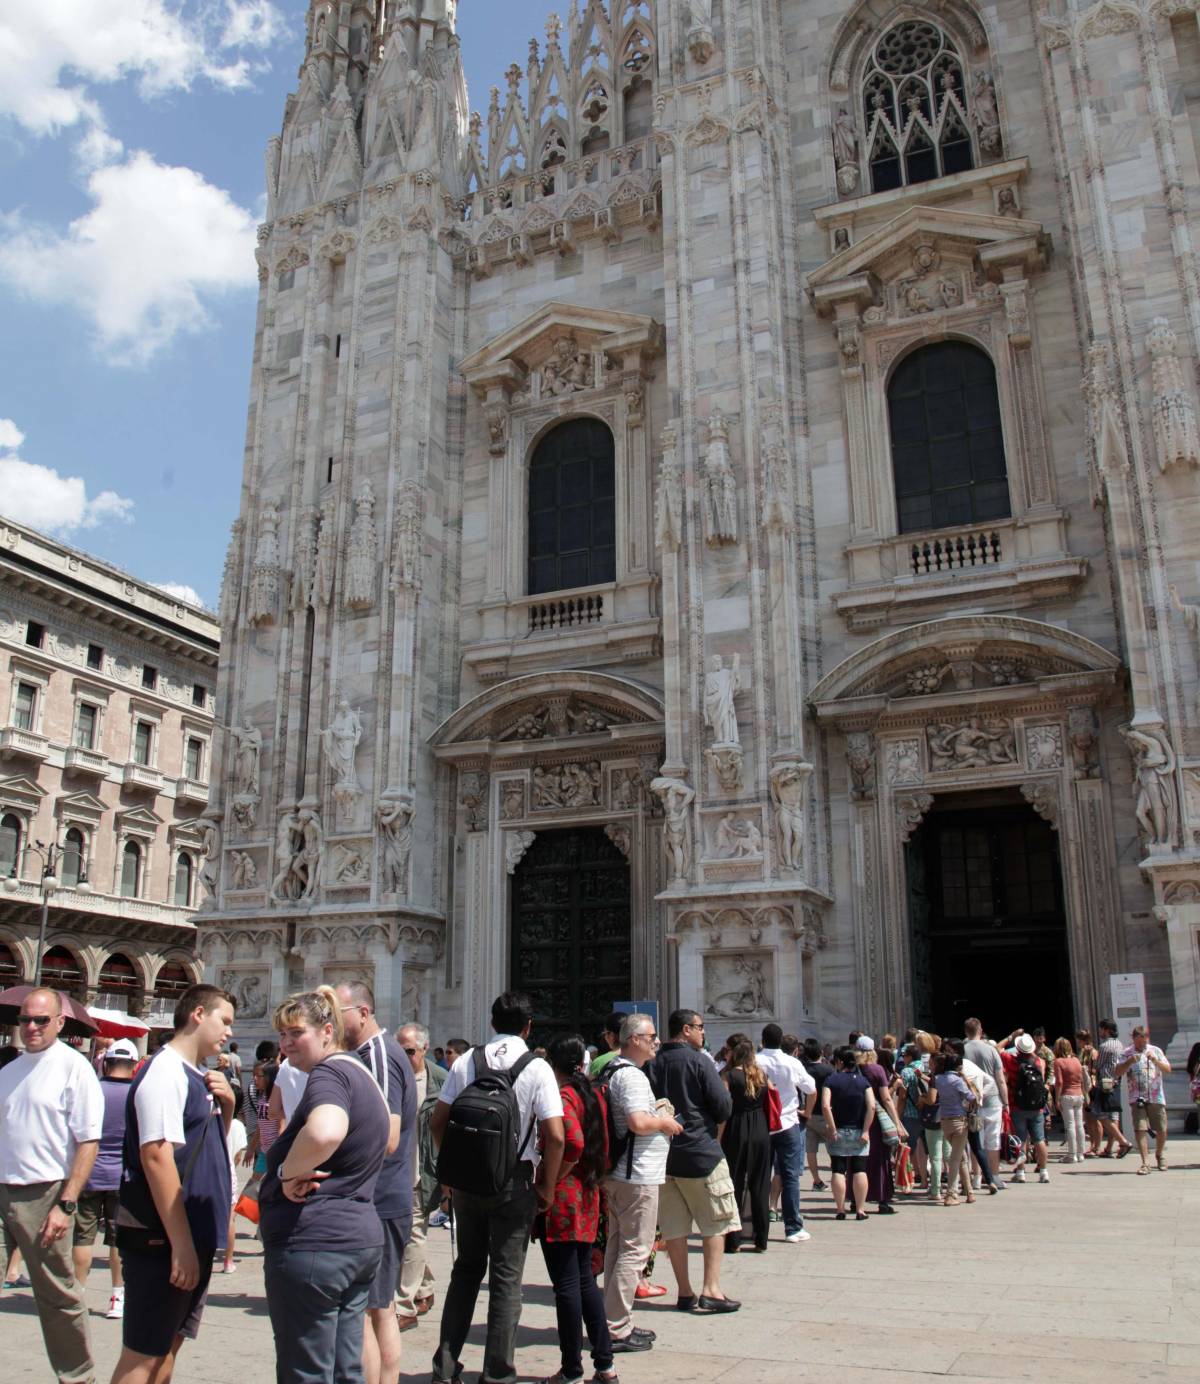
(1097, 1275)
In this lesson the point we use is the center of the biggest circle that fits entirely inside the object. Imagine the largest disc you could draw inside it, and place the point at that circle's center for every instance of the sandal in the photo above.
(950, 1200)
(1144, 1170)
(559, 1378)
(840, 1216)
(1162, 1164)
(860, 1216)
(1127, 1149)
(970, 1198)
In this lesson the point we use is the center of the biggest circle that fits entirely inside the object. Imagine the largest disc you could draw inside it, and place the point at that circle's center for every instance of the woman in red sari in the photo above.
(568, 1229)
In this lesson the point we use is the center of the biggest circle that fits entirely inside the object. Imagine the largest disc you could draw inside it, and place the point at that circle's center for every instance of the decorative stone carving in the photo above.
(726, 762)
(971, 745)
(789, 791)
(231, 577)
(925, 680)
(1175, 433)
(264, 580)
(621, 837)
(210, 852)
(566, 785)
(472, 796)
(1084, 735)
(312, 851)
(516, 843)
(246, 759)
(406, 557)
(350, 864)
(306, 558)
(245, 811)
(736, 838)
(903, 762)
(251, 991)
(676, 797)
(298, 850)
(668, 528)
(845, 153)
(497, 421)
(566, 372)
(910, 812)
(243, 873)
(395, 817)
(626, 789)
(512, 799)
(340, 740)
(1156, 806)
(1045, 747)
(327, 545)
(740, 987)
(363, 557)
(721, 685)
(701, 41)
(720, 485)
(987, 117)
(777, 490)
(1006, 202)
(912, 299)
(1042, 796)
(860, 757)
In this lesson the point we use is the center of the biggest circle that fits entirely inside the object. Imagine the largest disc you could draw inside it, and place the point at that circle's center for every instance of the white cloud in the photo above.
(54, 51)
(40, 497)
(158, 244)
(181, 592)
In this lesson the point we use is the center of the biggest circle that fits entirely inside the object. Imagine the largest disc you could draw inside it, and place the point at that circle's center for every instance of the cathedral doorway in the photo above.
(571, 931)
(988, 922)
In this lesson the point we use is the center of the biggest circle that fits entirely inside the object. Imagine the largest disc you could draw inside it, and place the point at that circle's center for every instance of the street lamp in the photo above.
(49, 857)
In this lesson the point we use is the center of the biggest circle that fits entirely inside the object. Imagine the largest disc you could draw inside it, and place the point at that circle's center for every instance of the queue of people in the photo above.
(357, 1139)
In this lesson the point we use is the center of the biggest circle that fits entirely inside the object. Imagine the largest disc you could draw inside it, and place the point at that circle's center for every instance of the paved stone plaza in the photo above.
(1095, 1277)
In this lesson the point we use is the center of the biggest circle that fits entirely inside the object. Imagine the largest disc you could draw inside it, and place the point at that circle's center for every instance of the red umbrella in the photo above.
(79, 1024)
(111, 1023)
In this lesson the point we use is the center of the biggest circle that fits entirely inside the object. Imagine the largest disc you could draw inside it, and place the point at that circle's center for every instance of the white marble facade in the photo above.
(672, 228)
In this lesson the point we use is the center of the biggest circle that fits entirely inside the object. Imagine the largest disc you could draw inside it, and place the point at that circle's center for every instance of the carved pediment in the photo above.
(138, 819)
(922, 242)
(80, 807)
(21, 791)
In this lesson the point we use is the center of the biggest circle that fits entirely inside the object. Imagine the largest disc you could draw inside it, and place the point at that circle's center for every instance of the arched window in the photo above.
(639, 109)
(74, 858)
(916, 110)
(119, 983)
(572, 508)
(172, 980)
(131, 870)
(947, 442)
(10, 967)
(61, 970)
(183, 881)
(10, 844)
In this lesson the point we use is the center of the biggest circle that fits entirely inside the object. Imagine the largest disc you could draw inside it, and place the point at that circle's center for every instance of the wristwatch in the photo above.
(68, 1208)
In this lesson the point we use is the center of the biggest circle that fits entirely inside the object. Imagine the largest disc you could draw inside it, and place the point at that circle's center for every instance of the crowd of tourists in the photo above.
(358, 1142)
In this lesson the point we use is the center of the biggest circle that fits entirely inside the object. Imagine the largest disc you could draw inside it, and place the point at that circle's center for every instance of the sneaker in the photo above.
(116, 1305)
(21, 1281)
(1017, 1177)
(797, 1237)
(439, 1218)
(1043, 1176)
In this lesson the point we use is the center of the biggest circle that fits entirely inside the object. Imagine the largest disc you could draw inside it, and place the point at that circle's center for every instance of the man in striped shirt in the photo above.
(385, 1059)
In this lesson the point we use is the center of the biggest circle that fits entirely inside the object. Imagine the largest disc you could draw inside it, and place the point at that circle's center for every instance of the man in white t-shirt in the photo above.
(285, 1094)
(797, 1095)
(496, 1229)
(51, 1118)
(639, 1170)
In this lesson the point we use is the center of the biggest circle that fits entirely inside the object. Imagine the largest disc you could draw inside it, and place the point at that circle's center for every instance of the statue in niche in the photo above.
(845, 152)
(288, 884)
(789, 785)
(396, 829)
(720, 484)
(1085, 743)
(566, 371)
(340, 741)
(312, 840)
(737, 838)
(247, 753)
(1154, 767)
(624, 789)
(512, 799)
(251, 996)
(677, 798)
(752, 1000)
(362, 559)
(721, 685)
(243, 871)
(987, 116)
(970, 746)
(860, 756)
(210, 870)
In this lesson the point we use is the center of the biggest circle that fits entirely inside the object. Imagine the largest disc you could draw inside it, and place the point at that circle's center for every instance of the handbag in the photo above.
(773, 1105)
(887, 1127)
(974, 1118)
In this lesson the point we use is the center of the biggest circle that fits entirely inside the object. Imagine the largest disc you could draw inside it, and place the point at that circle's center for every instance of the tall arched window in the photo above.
(572, 508)
(131, 870)
(61, 970)
(183, 881)
(947, 442)
(10, 844)
(119, 983)
(73, 858)
(916, 108)
(10, 967)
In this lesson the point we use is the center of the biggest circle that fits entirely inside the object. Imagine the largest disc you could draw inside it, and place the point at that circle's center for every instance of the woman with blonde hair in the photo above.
(1071, 1088)
(746, 1140)
(322, 1237)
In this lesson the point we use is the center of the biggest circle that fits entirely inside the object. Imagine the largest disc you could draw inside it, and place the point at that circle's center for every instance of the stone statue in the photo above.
(288, 884)
(1154, 766)
(244, 872)
(789, 787)
(210, 849)
(1083, 734)
(845, 152)
(970, 746)
(737, 838)
(396, 830)
(987, 117)
(751, 1001)
(721, 684)
(311, 850)
(566, 372)
(248, 743)
(340, 740)
(860, 756)
(362, 558)
(677, 798)
(720, 484)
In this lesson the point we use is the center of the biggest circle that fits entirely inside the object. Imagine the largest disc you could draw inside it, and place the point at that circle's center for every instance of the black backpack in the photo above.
(619, 1145)
(1030, 1094)
(480, 1149)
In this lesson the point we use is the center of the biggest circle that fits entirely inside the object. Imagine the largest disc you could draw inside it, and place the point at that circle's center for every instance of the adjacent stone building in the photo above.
(722, 526)
(107, 691)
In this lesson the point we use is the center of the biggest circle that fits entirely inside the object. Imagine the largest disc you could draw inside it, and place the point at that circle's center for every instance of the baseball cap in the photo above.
(122, 1050)
(1025, 1043)
(865, 1044)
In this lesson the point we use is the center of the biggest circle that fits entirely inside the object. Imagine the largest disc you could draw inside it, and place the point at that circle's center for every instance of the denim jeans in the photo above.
(317, 1299)
(577, 1300)
(788, 1149)
(493, 1236)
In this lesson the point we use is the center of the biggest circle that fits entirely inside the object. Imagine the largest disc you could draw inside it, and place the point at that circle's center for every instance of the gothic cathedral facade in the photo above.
(723, 526)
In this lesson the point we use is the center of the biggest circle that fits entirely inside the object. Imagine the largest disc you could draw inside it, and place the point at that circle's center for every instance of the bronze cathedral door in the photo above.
(571, 931)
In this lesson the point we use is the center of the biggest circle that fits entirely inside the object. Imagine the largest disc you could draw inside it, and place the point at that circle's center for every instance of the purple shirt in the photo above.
(106, 1172)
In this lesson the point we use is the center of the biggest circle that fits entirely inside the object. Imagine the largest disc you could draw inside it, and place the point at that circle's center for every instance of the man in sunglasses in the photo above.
(51, 1118)
(414, 1289)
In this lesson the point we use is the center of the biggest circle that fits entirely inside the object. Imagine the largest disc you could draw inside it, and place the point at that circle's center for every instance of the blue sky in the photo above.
(131, 156)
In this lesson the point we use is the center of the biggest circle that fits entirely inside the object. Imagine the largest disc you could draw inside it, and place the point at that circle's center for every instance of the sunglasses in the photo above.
(412, 1052)
(653, 1037)
(40, 1019)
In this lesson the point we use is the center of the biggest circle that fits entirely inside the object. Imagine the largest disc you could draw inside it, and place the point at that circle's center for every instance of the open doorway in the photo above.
(988, 924)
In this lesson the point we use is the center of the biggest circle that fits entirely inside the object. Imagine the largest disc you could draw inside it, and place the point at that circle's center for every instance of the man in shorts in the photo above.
(1027, 1124)
(98, 1205)
(175, 1190)
(816, 1134)
(1106, 1091)
(1143, 1066)
(387, 1062)
(699, 1189)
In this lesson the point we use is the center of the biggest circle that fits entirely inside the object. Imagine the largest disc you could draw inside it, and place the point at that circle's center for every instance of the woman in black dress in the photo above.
(746, 1141)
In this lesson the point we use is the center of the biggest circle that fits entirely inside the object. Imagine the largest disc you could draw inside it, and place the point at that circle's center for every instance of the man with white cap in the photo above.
(1025, 1076)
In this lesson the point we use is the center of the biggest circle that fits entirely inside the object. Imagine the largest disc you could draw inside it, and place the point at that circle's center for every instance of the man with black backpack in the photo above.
(498, 1101)
(1025, 1076)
